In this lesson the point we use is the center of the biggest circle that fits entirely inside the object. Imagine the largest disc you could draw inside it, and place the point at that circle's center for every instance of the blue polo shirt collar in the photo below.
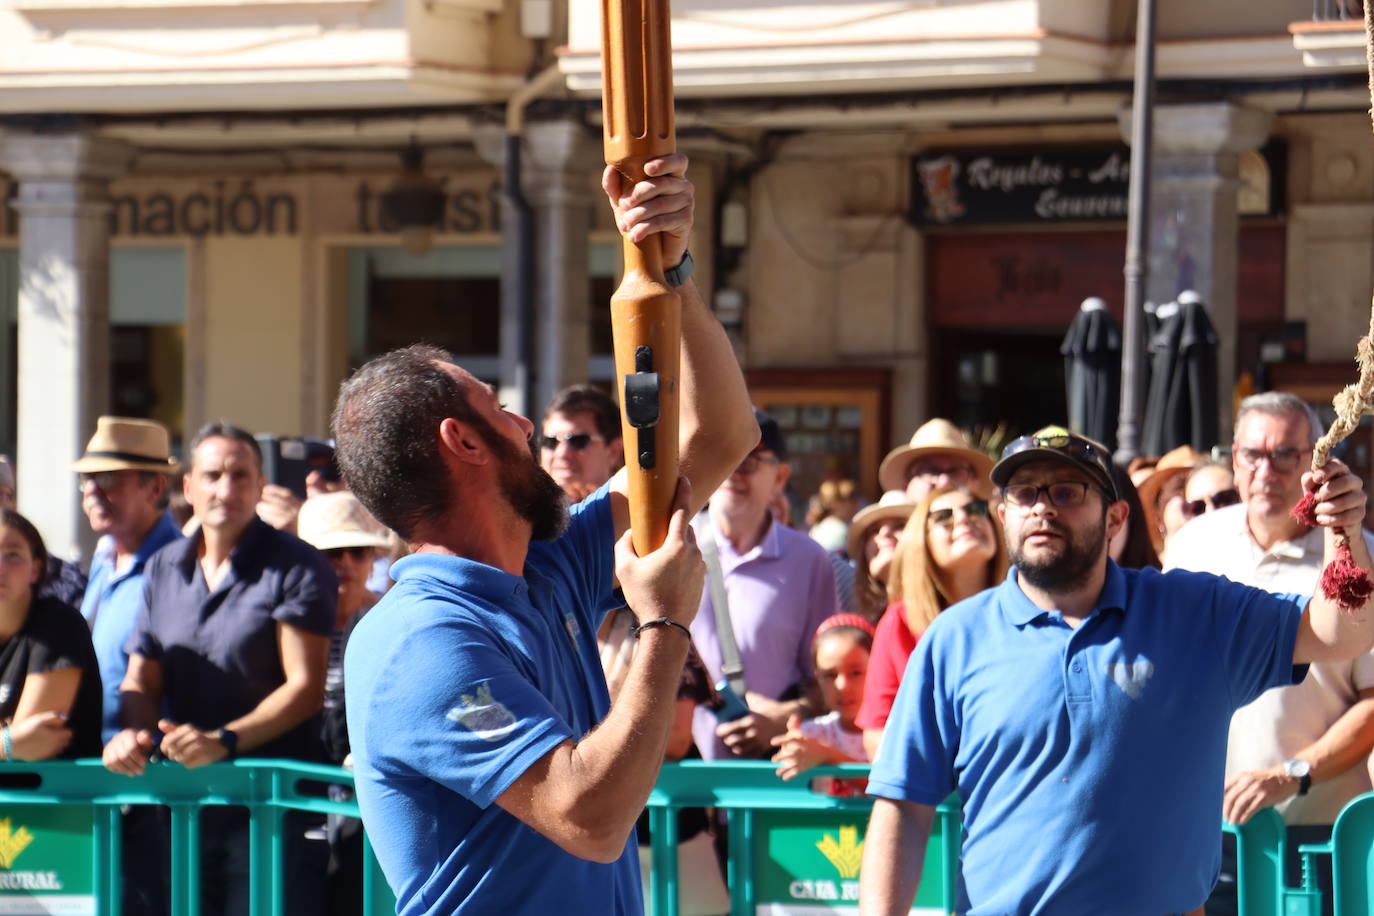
(459, 574)
(163, 533)
(1020, 610)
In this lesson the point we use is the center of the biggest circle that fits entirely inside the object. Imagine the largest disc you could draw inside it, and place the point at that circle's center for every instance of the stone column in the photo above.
(561, 162)
(1194, 234)
(558, 163)
(64, 321)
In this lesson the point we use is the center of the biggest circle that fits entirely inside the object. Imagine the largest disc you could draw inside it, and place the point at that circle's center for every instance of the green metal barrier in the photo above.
(1351, 849)
(1260, 847)
(70, 801)
(789, 847)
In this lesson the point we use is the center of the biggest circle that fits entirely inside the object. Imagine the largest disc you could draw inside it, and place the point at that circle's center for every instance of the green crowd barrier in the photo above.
(792, 850)
(60, 837)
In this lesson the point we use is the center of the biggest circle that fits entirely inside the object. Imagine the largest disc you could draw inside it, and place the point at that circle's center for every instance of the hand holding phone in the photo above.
(732, 705)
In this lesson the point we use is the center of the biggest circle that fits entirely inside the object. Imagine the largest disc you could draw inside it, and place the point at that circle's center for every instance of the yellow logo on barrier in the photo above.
(12, 842)
(847, 854)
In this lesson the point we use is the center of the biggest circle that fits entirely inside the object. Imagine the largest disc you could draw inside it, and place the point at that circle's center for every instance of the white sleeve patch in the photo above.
(482, 714)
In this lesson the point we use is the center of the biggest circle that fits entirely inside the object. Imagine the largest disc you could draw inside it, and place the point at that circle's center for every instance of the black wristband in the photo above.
(662, 622)
(676, 276)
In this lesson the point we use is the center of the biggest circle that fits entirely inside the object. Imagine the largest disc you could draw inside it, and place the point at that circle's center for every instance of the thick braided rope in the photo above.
(1353, 401)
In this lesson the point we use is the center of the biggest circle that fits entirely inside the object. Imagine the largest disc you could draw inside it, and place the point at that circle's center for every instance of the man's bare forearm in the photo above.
(894, 853)
(716, 425)
(586, 796)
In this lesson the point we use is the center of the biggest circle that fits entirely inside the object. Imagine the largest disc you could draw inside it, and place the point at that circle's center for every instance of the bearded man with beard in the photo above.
(1081, 710)
(493, 773)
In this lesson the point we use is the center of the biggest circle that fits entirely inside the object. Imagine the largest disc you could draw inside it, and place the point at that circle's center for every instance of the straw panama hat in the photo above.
(895, 505)
(934, 437)
(1173, 463)
(334, 520)
(127, 444)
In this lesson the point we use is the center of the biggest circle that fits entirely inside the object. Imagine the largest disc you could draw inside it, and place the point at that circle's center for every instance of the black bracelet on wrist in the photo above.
(662, 622)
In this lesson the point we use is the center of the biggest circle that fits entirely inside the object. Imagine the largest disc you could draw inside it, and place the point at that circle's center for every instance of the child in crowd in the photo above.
(841, 649)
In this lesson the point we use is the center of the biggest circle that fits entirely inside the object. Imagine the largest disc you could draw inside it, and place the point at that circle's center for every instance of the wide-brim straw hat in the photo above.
(934, 437)
(128, 444)
(1169, 466)
(894, 506)
(332, 521)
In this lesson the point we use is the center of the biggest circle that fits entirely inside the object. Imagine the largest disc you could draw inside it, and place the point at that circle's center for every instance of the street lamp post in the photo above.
(1137, 238)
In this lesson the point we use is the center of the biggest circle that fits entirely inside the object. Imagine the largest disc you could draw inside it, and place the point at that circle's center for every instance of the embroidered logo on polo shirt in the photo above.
(482, 714)
(1131, 676)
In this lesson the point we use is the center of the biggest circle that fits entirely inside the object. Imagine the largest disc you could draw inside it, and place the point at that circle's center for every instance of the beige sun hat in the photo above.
(1169, 466)
(127, 444)
(895, 505)
(934, 437)
(334, 520)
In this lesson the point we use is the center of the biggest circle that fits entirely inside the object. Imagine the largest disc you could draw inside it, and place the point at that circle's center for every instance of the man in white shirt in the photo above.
(1300, 749)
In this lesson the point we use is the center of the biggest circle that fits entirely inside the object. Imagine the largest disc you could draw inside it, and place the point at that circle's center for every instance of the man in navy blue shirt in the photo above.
(228, 654)
(493, 774)
(1081, 710)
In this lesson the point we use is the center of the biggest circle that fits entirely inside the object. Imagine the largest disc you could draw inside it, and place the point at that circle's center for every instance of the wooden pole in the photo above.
(646, 314)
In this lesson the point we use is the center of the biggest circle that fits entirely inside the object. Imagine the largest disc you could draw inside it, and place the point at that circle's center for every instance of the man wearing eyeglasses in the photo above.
(124, 476)
(779, 585)
(580, 445)
(1080, 710)
(1300, 749)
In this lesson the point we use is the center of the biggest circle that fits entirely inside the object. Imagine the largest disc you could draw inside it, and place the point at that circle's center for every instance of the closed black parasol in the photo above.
(1182, 405)
(1092, 372)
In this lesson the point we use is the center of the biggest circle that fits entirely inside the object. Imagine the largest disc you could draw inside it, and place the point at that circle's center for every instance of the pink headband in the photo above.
(845, 620)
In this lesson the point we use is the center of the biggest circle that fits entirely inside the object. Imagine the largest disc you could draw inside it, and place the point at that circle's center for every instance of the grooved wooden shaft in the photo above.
(637, 111)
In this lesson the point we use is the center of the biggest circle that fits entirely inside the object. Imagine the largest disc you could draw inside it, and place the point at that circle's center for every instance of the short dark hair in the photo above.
(588, 399)
(386, 435)
(11, 519)
(223, 429)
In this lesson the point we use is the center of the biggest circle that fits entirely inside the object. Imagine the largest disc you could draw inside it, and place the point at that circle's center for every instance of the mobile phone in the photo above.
(731, 707)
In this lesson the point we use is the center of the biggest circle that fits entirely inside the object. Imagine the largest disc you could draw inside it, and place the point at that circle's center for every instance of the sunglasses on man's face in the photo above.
(978, 508)
(1218, 500)
(576, 441)
(355, 553)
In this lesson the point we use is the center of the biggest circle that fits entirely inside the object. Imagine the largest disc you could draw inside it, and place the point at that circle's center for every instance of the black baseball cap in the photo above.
(770, 435)
(1055, 443)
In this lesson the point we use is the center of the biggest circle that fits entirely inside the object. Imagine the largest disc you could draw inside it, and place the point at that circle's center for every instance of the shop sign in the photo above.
(247, 207)
(807, 864)
(1079, 184)
(951, 188)
(46, 859)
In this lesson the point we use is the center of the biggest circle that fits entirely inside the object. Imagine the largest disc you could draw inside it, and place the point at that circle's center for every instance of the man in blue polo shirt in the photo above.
(1081, 710)
(493, 774)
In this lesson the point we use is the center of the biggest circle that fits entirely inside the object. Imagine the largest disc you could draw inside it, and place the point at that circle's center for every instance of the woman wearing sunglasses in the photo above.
(1210, 485)
(951, 549)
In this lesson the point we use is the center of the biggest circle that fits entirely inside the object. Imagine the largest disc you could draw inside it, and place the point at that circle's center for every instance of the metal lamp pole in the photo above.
(1137, 238)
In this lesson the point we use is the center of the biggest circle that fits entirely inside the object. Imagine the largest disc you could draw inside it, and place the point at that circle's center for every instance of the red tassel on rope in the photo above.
(1342, 580)
(1306, 509)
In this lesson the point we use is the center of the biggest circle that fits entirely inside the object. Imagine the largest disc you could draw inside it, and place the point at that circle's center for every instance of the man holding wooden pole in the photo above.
(492, 777)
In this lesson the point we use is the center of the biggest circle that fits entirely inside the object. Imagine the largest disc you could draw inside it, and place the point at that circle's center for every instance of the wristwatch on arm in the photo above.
(1300, 770)
(230, 740)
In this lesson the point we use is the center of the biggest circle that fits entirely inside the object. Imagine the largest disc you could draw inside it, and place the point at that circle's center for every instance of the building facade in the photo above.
(901, 206)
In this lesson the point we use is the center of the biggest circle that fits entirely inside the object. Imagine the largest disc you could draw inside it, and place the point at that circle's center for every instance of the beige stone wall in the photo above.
(1330, 268)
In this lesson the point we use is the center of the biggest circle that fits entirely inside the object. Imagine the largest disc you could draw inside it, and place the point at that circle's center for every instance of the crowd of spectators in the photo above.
(220, 635)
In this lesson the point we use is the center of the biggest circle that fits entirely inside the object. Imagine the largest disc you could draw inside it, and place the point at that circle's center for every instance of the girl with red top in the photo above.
(951, 549)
